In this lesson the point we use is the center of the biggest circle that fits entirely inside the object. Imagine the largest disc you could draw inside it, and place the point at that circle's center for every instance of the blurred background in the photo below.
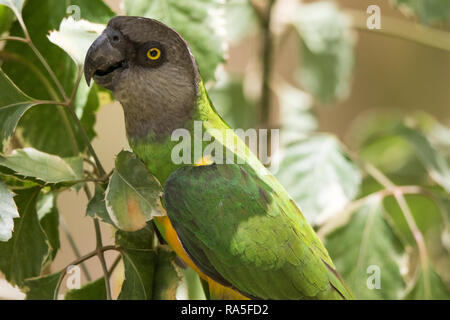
(391, 78)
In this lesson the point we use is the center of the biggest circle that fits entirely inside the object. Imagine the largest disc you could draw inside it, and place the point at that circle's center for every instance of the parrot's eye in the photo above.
(151, 54)
(154, 54)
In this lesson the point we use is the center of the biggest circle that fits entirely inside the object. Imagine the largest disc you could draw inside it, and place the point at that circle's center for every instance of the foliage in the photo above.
(133, 194)
(327, 50)
(323, 180)
(358, 240)
(9, 211)
(200, 22)
(383, 207)
(431, 11)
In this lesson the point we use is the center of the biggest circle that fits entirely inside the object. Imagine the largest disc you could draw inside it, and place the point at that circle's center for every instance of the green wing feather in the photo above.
(237, 226)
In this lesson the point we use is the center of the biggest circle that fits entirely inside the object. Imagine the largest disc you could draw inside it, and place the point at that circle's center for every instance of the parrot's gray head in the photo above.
(151, 71)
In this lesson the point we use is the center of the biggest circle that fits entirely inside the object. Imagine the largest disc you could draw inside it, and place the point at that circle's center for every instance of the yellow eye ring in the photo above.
(154, 53)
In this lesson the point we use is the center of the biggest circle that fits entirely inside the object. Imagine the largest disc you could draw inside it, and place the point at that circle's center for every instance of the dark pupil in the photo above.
(153, 52)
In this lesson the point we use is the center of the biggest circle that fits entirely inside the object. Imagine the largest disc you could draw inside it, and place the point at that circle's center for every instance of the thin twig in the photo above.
(77, 84)
(381, 194)
(78, 123)
(52, 93)
(398, 194)
(11, 38)
(99, 246)
(20, 20)
(69, 104)
(49, 102)
(48, 68)
(83, 132)
(114, 265)
(55, 80)
(101, 257)
(405, 30)
(66, 122)
(89, 161)
(77, 262)
(382, 179)
(6, 55)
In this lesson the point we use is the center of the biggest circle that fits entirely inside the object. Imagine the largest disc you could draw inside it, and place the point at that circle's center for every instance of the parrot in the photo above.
(233, 223)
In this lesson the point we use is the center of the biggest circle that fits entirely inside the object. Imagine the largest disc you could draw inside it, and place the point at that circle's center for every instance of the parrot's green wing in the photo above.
(243, 233)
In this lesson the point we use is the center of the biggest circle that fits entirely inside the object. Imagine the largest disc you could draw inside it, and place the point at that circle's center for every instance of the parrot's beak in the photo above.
(102, 60)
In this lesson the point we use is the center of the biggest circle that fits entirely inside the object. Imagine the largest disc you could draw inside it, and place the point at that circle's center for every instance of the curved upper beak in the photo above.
(101, 58)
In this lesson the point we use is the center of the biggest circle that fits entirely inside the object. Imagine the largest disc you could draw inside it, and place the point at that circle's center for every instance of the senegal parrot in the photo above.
(233, 223)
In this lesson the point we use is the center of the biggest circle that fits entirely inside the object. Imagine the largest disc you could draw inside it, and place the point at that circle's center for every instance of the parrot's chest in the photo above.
(182, 148)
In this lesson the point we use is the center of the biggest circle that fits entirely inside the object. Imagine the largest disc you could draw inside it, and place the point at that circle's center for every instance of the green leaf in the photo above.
(297, 121)
(42, 288)
(200, 22)
(437, 133)
(427, 216)
(13, 181)
(319, 176)
(24, 254)
(231, 103)
(380, 144)
(393, 155)
(241, 19)
(434, 162)
(194, 287)
(87, 103)
(140, 260)
(75, 37)
(327, 50)
(366, 247)
(48, 216)
(428, 11)
(13, 104)
(167, 277)
(95, 290)
(97, 207)
(427, 285)
(133, 194)
(6, 19)
(15, 5)
(139, 274)
(149, 273)
(141, 239)
(8, 211)
(49, 128)
(429, 212)
(49, 168)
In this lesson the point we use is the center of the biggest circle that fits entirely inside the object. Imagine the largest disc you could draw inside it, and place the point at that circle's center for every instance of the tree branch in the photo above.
(10, 38)
(114, 265)
(405, 30)
(101, 257)
(99, 246)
